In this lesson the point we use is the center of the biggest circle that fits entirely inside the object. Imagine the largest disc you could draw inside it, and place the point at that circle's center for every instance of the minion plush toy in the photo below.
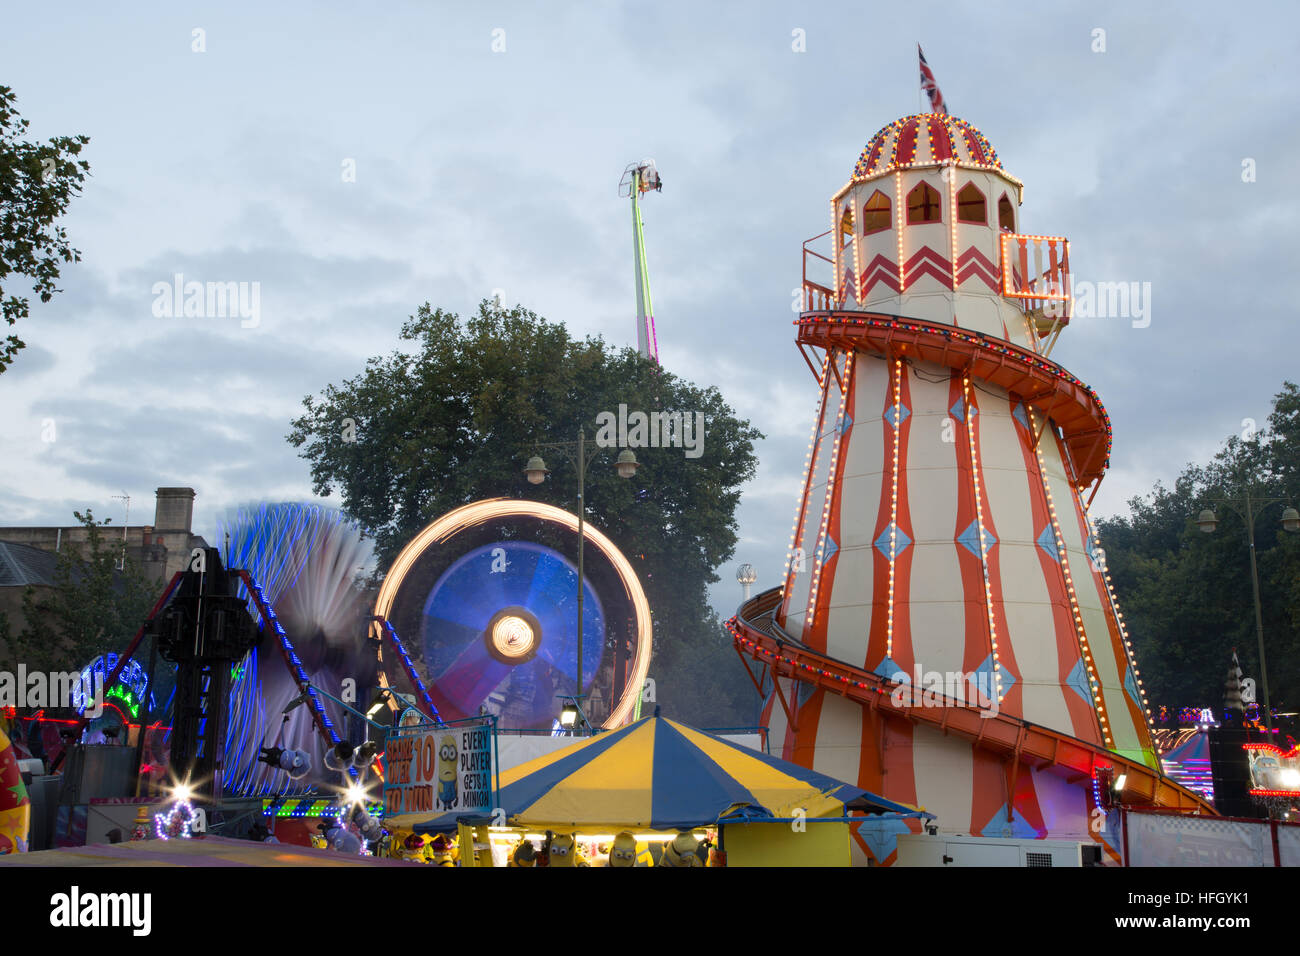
(682, 852)
(623, 850)
(447, 772)
(525, 854)
(443, 851)
(412, 848)
(564, 852)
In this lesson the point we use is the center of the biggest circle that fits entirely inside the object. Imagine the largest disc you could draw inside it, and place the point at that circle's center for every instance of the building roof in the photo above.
(21, 565)
(925, 139)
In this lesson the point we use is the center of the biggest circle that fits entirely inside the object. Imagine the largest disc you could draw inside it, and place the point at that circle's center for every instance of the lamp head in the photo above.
(1291, 519)
(536, 470)
(627, 463)
(569, 715)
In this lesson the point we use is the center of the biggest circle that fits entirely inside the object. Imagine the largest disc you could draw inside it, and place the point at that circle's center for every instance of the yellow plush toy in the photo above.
(412, 848)
(564, 852)
(681, 852)
(525, 854)
(623, 850)
(443, 851)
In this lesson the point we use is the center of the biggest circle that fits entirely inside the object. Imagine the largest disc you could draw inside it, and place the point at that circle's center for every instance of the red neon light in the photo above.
(1294, 751)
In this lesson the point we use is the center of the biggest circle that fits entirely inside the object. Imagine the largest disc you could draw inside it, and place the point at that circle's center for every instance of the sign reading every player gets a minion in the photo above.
(439, 769)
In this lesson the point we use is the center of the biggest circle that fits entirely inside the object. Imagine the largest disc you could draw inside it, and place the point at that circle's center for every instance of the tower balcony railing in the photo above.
(816, 296)
(1036, 271)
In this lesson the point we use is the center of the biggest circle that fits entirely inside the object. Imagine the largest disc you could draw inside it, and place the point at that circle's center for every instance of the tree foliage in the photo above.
(454, 418)
(37, 182)
(1187, 595)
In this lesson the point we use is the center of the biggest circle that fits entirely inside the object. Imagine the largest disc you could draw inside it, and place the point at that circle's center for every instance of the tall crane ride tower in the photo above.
(639, 179)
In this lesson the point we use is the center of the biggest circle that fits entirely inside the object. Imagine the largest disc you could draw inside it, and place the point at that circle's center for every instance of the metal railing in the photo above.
(817, 297)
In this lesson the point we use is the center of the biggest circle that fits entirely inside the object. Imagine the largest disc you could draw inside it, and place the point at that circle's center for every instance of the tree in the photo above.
(37, 182)
(99, 601)
(1187, 595)
(421, 432)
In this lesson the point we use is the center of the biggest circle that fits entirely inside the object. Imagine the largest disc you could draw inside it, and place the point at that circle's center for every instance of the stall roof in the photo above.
(659, 774)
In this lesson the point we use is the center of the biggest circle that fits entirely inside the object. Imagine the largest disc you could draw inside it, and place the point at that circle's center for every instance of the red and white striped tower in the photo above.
(942, 529)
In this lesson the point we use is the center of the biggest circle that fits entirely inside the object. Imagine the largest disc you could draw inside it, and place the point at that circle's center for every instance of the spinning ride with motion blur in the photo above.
(487, 596)
(942, 540)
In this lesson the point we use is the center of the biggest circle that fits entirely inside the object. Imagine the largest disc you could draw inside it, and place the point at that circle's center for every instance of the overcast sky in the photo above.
(479, 169)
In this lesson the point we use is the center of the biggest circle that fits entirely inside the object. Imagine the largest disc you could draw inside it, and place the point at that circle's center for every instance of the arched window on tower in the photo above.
(846, 227)
(1006, 214)
(876, 214)
(923, 205)
(971, 206)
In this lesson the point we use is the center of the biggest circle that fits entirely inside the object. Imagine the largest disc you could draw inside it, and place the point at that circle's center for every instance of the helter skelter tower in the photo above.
(942, 528)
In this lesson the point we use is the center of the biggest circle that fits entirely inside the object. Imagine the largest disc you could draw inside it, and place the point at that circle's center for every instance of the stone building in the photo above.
(160, 549)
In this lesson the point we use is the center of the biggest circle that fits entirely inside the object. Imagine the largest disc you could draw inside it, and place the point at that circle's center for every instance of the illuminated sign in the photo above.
(433, 769)
(123, 694)
(1273, 772)
(132, 679)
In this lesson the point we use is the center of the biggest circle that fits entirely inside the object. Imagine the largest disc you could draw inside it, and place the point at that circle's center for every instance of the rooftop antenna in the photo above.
(121, 561)
(637, 179)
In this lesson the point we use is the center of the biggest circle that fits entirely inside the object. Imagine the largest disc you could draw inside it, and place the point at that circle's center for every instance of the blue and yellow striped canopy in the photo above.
(658, 774)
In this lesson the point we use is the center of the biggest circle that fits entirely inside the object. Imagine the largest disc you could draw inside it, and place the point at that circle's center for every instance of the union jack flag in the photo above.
(930, 87)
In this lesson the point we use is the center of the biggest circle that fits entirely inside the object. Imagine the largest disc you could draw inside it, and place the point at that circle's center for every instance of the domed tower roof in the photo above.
(925, 139)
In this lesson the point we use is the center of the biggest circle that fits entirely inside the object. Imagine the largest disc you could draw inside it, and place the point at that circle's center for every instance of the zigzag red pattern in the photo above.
(926, 262)
(879, 269)
(846, 281)
(974, 263)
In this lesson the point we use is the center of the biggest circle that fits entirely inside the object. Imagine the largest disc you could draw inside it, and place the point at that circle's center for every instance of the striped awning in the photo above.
(658, 774)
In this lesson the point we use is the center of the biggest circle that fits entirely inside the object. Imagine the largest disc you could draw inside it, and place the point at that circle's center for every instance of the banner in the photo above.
(1171, 840)
(431, 769)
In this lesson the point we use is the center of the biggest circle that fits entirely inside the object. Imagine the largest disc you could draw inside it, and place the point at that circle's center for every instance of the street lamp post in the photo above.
(537, 471)
(1207, 521)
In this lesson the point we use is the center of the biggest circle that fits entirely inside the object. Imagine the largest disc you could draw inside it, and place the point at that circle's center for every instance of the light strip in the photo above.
(979, 523)
(830, 483)
(952, 220)
(893, 504)
(899, 217)
(857, 254)
(791, 571)
(1064, 559)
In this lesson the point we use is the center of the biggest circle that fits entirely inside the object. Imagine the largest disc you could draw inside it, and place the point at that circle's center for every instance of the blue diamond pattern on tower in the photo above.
(1095, 554)
(891, 671)
(830, 548)
(1017, 827)
(970, 539)
(848, 423)
(900, 545)
(957, 411)
(1020, 414)
(1047, 541)
(986, 681)
(1078, 682)
(805, 692)
(897, 414)
(881, 836)
(1130, 685)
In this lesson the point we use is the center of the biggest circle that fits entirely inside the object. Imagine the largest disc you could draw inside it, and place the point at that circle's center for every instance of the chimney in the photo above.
(175, 509)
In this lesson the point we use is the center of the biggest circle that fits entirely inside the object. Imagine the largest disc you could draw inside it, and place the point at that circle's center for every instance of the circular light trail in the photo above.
(480, 512)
